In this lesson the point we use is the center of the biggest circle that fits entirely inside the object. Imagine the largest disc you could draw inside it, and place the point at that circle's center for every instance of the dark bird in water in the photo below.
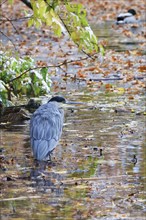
(134, 160)
(128, 17)
(46, 127)
(100, 152)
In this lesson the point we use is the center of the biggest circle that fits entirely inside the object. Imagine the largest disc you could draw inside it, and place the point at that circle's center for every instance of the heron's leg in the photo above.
(50, 157)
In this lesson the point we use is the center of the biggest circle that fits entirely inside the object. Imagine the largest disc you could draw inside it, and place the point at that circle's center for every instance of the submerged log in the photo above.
(14, 114)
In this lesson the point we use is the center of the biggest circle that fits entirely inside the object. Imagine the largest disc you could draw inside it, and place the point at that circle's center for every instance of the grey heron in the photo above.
(46, 127)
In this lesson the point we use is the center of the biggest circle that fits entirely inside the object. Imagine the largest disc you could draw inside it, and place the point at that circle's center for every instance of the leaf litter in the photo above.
(80, 183)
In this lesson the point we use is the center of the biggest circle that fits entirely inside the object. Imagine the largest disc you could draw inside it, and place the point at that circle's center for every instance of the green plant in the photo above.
(19, 76)
(66, 17)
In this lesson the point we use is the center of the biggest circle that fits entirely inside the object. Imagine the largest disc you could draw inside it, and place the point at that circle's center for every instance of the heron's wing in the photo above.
(40, 148)
(45, 130)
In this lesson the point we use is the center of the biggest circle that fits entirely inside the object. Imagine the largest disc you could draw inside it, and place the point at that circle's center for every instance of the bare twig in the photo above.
(116, 78)
(3, 2)
(27, 3)
(75, 180)
(15, 19)
(7, 19)
(21, 198)
(26, 71)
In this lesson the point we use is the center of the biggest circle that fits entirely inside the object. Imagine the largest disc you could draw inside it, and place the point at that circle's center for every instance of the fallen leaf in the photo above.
(142, 68)
(80, 74)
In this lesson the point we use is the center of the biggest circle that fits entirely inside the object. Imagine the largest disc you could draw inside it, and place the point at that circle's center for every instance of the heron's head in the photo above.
(132, 11)
(57, 99)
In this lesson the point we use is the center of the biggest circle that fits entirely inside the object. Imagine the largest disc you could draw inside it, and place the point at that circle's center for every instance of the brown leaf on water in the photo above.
(142, 68)
(79, 63)
(135, 82)
(92, 68)
(129, 78)
(131, 97)
(127, 52)
(41, 63)
(106, 73)
(108, 86)
(104, 43)
(56, 85)
(80, 74)
(139, 84)
(114, 58)
(129, 64)
(127, 33)
(133, 90)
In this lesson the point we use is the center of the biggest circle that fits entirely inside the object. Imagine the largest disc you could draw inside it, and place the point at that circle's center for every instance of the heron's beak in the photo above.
(73, 103)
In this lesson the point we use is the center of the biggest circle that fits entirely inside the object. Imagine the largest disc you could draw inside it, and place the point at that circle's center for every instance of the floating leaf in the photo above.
(142, 68)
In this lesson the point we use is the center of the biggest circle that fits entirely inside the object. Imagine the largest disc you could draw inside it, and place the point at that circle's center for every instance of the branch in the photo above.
(7, 19)
(51, 66)
(16, 19)
(26, 71)
(2, 3)
(91, 57)
(70, 33)
(88, 179)
(27, 3)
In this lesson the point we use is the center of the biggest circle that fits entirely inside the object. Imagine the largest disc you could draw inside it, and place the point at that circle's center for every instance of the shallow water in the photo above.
(121, 37)
(81, 183)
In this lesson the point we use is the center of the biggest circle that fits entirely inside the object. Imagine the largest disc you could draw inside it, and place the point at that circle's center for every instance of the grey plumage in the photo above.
(46, 127)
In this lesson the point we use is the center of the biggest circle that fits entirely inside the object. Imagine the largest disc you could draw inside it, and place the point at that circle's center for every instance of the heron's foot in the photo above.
(40, 165)
(49, 158)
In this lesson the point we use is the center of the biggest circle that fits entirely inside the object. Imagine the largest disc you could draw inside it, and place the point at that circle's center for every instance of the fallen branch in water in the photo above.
(80, 180)
(13, 114)
(21, 198)
(116, 78)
